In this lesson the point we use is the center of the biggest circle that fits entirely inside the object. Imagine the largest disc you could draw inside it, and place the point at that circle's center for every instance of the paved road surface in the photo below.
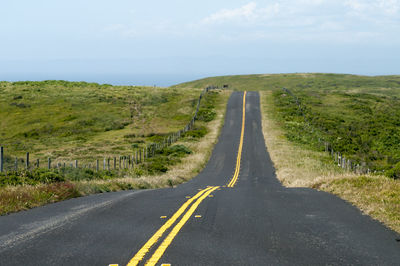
(233, 213)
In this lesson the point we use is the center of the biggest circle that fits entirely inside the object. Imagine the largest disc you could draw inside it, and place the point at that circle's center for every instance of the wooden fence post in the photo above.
(119, 162)
(1, 159)
(97, 165)
(115, 163)
(108, 164)
(76, 163)
(49, 163)
(104, 163)
(27, 161)
(38, 163)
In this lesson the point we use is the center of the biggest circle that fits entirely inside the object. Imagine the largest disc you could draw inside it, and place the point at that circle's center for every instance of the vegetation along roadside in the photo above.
(301, 164)
(145, 116)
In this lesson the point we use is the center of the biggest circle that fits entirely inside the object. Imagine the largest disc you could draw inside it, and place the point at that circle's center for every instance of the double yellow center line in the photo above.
(239, 156)
(198, 198)
(185, 211)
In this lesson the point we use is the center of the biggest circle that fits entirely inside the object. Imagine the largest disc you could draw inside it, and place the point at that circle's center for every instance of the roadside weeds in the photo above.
(296, 166)
(17, 198)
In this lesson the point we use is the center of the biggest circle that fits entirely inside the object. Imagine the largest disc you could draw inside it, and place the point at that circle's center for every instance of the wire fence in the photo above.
(337, 156)
(138, 156)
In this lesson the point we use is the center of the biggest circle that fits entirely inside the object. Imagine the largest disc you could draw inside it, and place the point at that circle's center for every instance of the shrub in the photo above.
(206, 115)
(179, 150)
(135, 145)
(42, 175)
(77, 174)
(394, 172)
(196, 133)
(157, 165)
(31, 178)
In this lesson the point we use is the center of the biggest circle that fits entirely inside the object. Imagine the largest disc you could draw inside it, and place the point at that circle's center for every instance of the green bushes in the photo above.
(196, 133)
(206, 115)
(394, 172)
(45, 176)
(176, 150)
(206, 111)
(30, 178)
(78, 174)
(166, 157)
(362, 126)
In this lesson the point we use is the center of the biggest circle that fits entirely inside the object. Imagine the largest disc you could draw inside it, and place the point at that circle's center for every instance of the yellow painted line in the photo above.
(163, 217)
(211, 196)
(167, 241)
(197, 216)
(188, 197)
(112, 264)
(239, 156)
(165, 264)
(143, 251)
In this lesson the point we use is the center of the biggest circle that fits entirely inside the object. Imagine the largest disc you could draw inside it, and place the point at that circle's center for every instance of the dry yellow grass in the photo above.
(297, 166)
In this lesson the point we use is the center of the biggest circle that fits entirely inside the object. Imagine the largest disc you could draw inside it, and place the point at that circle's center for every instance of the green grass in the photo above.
(155, 111)
(314, 81)
(130, 118)
(78, 120)
(363, 124)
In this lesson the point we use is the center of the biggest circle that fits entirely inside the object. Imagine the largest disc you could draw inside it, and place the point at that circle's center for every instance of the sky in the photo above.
(162, 43)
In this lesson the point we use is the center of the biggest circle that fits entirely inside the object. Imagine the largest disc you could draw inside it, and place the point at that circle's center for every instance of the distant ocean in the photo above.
(161, 80)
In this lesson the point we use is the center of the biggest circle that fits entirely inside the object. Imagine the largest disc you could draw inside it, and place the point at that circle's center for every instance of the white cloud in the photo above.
(281, 20)
(327, 20)
(373, 7)
(391, 7)
(246, 12)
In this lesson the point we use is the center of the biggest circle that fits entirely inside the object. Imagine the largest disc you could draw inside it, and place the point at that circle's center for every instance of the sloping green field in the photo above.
(81, 120)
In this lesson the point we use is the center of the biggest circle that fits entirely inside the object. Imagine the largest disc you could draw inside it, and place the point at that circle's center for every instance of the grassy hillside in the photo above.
(358, 115)
(86, 120)
(313, 81)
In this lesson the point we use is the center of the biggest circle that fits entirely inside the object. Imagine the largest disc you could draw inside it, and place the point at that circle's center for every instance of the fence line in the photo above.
(124, 162)
(339, 159)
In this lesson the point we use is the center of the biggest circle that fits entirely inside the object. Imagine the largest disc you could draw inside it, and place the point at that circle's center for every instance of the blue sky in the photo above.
(165, 42)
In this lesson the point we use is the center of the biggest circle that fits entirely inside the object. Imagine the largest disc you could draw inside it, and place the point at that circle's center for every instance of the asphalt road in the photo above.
(204, 222)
